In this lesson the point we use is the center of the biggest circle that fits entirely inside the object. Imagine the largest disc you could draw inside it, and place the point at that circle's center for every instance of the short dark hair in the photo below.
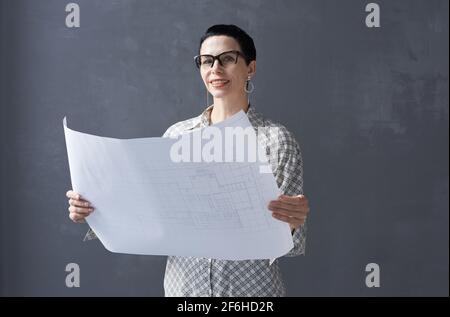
(244, 40)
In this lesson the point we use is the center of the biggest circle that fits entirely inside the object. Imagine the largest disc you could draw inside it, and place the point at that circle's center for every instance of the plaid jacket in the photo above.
(189, 276)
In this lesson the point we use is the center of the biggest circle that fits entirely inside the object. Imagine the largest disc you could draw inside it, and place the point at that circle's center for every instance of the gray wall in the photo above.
(368, 106)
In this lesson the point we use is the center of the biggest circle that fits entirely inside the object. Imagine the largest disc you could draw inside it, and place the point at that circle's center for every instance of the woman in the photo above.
(227, 62)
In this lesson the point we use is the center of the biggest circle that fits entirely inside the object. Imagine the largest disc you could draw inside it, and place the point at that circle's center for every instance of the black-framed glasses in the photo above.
(225, 59)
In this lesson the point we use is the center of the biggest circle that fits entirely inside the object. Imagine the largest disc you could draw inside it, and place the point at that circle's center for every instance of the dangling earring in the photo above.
(248, 84)
(207, 98)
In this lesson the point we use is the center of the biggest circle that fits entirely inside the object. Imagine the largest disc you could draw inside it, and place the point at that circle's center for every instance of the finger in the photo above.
(79, 203)
(73, 195)
(296, 224)
(80, 210)
(277, 205)
(293, 200)
(290, 214)
(284, 211)
(80, 221)
(282, 205)
(76, 217)
(281, 217)
(292, 221)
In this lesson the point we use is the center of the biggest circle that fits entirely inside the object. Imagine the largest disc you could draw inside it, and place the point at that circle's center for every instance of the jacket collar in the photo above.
(205, 117)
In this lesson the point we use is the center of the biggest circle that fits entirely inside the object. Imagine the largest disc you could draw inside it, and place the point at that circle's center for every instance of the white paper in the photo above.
(147, 204)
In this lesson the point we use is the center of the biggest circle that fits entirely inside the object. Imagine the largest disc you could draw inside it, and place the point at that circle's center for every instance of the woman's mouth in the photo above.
(218, 83)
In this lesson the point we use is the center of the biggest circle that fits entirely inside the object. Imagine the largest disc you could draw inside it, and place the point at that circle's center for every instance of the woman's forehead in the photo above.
(215, 45)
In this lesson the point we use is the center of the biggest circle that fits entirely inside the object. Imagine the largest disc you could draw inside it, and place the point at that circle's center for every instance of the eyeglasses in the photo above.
(225, 59)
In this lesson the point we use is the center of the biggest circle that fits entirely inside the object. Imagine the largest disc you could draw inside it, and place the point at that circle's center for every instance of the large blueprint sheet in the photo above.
(145, 203)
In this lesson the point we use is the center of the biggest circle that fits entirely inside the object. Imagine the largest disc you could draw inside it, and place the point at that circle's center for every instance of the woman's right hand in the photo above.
(79, 208)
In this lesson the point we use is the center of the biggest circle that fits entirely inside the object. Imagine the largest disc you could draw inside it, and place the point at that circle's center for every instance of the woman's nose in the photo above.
(216, 65)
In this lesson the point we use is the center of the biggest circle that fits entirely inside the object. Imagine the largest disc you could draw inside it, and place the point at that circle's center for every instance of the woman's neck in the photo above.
(225, 108)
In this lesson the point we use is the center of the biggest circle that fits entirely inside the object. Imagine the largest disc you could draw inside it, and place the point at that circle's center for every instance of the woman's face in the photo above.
(235, 75)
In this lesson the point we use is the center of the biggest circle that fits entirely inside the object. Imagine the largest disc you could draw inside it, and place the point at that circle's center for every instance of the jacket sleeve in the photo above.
(289, 175)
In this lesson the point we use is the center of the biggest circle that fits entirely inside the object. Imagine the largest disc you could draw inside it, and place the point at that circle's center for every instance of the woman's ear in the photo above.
(251, 69)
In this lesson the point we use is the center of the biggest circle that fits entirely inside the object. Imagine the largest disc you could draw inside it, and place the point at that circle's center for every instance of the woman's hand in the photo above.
(290, 209)
(79, 208)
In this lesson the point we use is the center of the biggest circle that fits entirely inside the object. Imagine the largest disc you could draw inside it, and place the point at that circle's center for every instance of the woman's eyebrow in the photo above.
(218, 53)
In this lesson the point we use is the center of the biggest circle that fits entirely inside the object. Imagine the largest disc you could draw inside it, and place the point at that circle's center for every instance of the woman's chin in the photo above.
(219, 94)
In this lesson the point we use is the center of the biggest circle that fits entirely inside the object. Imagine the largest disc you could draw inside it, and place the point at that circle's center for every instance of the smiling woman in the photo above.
(227, 63)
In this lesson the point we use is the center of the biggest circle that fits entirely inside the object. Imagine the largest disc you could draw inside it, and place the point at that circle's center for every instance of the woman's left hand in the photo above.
(290, 209)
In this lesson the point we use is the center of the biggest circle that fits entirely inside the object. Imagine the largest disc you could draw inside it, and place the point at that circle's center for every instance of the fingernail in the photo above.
(91, 209)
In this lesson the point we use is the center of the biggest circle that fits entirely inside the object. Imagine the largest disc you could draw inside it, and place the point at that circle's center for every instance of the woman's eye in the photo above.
(228, 59)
